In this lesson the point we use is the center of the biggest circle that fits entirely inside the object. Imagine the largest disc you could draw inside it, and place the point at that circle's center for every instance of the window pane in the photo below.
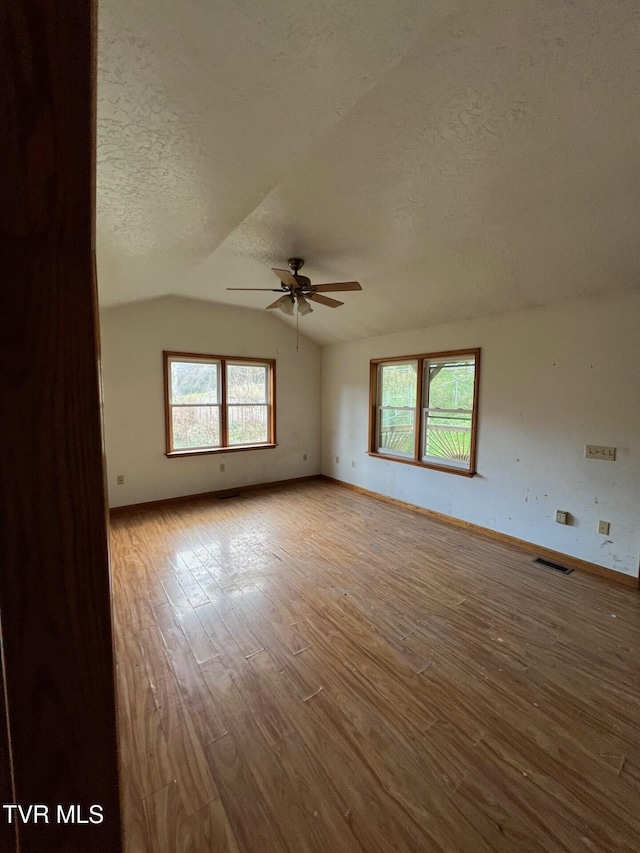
(451, 384)
(193, 382)
(195, 426)
(247, 383)
(397, 431)
(398, 384)
(248, 425)
(447, 420)
(448, 438)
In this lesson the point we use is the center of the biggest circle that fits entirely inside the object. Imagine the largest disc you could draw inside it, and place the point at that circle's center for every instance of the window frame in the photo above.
(222, 360)
(374, 406)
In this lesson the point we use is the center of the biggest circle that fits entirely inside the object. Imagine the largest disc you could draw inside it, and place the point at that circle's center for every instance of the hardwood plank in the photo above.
(251, 824)
(135, 828)
(210, 830)
(142, 739)
(187, 761)
(199, 642)
(166, 822)
(194, 693)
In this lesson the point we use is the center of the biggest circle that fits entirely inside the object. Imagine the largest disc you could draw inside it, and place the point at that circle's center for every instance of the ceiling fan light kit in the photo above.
(297, 290)
(285, 304)
(303, 306)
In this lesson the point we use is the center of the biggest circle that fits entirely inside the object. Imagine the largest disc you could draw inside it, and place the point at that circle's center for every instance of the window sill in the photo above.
(175, 454)
(448, 469)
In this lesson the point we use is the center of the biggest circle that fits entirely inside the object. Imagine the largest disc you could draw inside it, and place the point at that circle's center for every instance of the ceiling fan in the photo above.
(297, 290)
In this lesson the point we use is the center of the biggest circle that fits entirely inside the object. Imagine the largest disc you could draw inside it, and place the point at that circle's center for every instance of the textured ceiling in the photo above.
(459, 159)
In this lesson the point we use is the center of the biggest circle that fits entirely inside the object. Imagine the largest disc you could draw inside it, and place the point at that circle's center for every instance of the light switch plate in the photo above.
(604, 527)
(596, 451)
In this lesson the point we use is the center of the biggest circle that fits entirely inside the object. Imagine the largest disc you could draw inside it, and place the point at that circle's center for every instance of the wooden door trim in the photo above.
(55, 601)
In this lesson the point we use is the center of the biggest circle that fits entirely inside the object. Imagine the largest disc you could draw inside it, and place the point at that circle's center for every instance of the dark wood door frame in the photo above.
(58, 742)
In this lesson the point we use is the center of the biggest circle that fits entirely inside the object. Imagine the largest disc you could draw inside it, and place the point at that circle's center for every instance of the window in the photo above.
(216, 403)
(424, 409)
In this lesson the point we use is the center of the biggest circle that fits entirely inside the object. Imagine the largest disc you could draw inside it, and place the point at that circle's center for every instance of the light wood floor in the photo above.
(309, 669)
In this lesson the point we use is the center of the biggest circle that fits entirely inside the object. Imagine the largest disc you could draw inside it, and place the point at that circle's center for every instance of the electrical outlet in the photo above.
(604, 527)
(337, 459)
(562, 516)
(120, 480)
(222, 468)
(596, 451)
(304, 457)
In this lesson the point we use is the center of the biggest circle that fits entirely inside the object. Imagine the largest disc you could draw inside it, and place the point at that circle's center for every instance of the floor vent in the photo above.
(226, 497)
(550, 565)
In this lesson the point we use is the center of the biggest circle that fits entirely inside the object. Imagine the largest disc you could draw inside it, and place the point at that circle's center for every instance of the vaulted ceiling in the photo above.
(458, 158)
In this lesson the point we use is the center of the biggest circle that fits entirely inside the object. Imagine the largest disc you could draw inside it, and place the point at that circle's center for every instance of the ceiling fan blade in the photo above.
(268, 289)
(336, 286)
(286, 277)
(323, 300)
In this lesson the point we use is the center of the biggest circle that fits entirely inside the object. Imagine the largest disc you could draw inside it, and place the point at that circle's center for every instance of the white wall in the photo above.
(133, 338)
(552, 379)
